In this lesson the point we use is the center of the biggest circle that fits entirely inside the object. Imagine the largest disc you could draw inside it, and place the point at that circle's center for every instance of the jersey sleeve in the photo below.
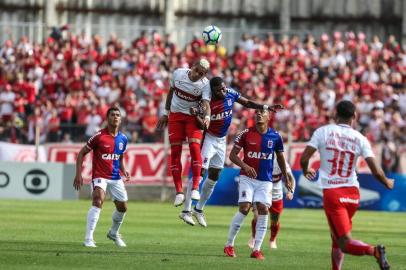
(236, 95)
(92, 142)
(366, 149)
(206, 91)
(240, 139)
(278, 144)
(315, 139)
(174, 75)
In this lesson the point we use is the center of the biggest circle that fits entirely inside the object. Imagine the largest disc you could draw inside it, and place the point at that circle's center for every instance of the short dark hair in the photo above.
(345, 109)
(112, 109)
(216, 81)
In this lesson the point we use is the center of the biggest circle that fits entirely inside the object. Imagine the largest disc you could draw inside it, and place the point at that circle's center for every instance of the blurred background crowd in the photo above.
(66, 84)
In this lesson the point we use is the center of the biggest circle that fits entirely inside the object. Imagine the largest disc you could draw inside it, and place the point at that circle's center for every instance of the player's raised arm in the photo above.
(78, 181)
(206, 112)
(254, 105)
(163, 121)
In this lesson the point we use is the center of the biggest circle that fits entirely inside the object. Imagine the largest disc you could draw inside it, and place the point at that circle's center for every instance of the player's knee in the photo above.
(342, 241)
(214, 174)
(98, 202)
(262, 209)
(121, 208)
(244, 208)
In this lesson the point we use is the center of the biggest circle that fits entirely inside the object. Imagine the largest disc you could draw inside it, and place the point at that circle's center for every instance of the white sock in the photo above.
(187, 204)
(235, 226)
(207, 190)
(92, 218)
(117, 218)
(262, 225)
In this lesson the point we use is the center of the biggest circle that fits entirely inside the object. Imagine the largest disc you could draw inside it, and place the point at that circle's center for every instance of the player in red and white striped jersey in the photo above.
(340, 146)
(188, 87)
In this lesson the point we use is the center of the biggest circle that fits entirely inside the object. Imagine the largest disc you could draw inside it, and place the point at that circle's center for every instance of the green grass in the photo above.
(49, 235)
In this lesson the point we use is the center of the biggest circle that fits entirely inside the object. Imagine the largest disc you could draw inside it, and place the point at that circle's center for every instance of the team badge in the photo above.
(196, 91)
(205, 160)
(229, 102)
(244, 194)
(270, 144)
(121, 146)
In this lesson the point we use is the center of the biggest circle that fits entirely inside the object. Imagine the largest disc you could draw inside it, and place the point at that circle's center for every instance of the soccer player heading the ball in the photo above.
(340, 146)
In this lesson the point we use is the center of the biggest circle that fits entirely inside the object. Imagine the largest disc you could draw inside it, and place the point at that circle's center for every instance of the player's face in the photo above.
(261, 116)
(197, 72)
(114, 119)
(219, 91)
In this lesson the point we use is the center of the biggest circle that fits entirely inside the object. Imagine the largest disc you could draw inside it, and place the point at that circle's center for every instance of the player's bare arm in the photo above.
(206, 113)
(237, 161)
(254, 105)
(282, 165)
(78, 181)
(199, 119)
(377, 171)
(289, 194)
(123, 169)
(163, 121)
(309, 173)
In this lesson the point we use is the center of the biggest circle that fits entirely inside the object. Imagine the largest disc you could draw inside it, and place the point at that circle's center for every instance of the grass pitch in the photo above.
(49, 235)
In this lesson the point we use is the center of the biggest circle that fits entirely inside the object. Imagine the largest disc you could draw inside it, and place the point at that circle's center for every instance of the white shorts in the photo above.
(116, 188)
(277, 191)
(252, 191)
(213, 152)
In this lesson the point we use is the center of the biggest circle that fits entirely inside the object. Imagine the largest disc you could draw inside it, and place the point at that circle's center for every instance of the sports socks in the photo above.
(274, 230)
(92, 218)
(196, 163)
(187, 205)
(261, 226)
(337, 256)
(207, 190)
(358, 248)
(235, 226)
(117, 219)
(253, 225)
(176, 167)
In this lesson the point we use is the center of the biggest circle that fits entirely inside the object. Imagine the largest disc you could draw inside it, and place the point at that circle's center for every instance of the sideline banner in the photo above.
(21, 152)
(38, 181)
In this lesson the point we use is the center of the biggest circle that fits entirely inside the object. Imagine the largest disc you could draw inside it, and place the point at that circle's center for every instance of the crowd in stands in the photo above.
(65, 85)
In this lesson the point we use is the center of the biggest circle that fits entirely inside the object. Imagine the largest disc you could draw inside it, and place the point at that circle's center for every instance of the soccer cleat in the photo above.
(380, 256)
(195, 195)
(272, 244)
(117, 239)
(179, 199)
(251, 243)
(89, 243)
(187, 217)
(199, 217)
(257, 254)
(229, 251)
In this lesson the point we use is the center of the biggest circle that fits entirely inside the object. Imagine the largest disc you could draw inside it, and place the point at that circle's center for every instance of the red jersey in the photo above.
(107, 151)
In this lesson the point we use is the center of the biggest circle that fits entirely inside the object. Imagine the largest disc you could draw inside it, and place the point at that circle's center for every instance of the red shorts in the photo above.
(340, 205)
(277, 207)
(182, 126)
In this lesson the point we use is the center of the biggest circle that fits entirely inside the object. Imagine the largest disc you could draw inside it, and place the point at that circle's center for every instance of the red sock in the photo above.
(274, 230)
(253, 225)
(176, 167)
(196, 163)
(337, 256)
(358, 248)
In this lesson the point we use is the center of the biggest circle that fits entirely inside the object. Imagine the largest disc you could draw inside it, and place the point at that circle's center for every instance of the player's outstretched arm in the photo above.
(163, 121)
(309, 173)
(282, 165)
(78, 181)
(237, 161)
(254, 105)
(377, 171)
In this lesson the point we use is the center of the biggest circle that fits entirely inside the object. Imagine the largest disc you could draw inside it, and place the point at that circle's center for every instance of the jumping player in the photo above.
(214, 143)
(340, 146)
(261, 144)
(108, 146)
(277, 205)
(188, 87)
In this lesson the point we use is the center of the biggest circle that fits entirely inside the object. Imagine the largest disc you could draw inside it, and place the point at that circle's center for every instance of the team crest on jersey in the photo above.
(229, 102)
(196, 91)
(205, 160)
(121, 146)
(244, 194)
(270, 144)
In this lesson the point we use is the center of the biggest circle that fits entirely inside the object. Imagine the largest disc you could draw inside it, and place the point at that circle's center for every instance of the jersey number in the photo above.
(337, 162)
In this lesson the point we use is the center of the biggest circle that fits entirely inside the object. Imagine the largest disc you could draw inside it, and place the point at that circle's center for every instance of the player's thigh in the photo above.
(192, 130)
(100, 183)
(245, 189)
(277, 207)
(176, 129)
(117, 190)
(262, 193)
(218, 159)
(207, 151)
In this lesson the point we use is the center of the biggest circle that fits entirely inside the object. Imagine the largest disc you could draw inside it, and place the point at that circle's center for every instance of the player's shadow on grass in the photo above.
(60, 248)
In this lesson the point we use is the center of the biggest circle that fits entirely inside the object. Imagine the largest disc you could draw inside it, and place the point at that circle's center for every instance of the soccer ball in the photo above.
(211, 35)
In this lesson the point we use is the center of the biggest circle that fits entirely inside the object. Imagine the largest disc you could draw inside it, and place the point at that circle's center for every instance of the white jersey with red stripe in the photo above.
(277, 188)
(339, 146)
(186, 93)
